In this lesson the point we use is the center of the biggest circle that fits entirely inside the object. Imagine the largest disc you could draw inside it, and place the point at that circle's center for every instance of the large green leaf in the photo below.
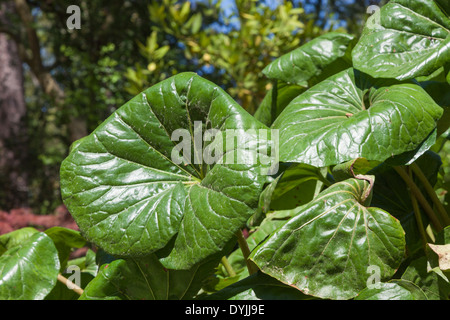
(301, 68)
(28, 270)
(326, 249)
(351, 115)
(318, 58)
(405, 39)
(131, 191)
(386, 291)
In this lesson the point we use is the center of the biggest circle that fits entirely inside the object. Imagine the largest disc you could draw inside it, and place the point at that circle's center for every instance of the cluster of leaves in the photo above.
(233, 50)
(351, 214)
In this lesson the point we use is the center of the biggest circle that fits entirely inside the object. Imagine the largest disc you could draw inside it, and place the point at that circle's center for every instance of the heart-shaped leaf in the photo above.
(28, 270)
(276, 100)
(351, 115)
(318, 58)
(326, 249)
(131, 189)
(404, 40)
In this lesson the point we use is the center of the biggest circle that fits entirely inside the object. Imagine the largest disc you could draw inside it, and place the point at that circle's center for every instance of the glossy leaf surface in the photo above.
(432, 284)
(326, 248)
(391, 193)
(28, 270)
(404, 40)
(351, 115)
(131, 196)
(147, 279)
(276, 100)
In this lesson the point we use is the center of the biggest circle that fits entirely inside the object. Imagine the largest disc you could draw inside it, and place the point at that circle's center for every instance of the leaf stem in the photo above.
(252, 268)
(418, 216)
(430, 190)
(420, 197)
(70, 285)
(228, 267)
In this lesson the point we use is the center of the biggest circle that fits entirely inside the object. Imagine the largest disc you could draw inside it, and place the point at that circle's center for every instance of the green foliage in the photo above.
(350, 115)
(325, 248)
(412, 35)
(150, 280)
(352, 212)
(31, 260)
(87, 67)
(173, 198)
(235, 58)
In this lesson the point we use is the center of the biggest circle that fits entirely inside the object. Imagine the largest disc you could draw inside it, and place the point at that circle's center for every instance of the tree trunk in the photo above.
(13, 132)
